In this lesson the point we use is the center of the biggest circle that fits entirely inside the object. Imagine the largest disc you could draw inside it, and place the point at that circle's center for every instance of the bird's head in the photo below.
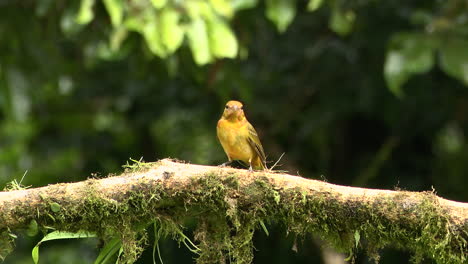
(233, 111)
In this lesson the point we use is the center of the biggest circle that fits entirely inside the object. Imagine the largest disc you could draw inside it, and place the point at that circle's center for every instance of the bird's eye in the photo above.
(227, 107)
(241, 107)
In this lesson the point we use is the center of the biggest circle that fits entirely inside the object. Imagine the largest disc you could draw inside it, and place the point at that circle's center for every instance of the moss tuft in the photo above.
(7, 243)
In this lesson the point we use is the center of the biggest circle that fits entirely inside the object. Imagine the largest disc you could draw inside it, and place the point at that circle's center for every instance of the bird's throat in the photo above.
(234, 117)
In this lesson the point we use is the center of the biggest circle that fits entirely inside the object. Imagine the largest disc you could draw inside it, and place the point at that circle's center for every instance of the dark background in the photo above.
(68, 110)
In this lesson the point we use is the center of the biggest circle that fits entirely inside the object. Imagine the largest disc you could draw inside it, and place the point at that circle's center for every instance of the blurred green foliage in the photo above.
(86, 85)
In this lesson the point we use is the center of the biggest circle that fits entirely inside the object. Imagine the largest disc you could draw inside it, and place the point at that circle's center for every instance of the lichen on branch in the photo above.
(229, 205)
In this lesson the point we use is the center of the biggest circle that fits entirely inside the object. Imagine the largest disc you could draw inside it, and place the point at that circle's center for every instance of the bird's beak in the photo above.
(235, 107)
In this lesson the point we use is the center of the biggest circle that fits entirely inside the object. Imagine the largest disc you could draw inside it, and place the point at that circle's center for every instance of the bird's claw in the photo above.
(225, 164)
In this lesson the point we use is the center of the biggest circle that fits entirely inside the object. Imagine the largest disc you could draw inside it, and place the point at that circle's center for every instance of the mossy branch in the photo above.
(230, 204)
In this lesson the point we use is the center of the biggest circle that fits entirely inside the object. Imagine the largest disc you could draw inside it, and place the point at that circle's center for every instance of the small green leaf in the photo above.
(451, 139)
(198, 41)
(350, 258)
(55, 207)
(85, 14)
(115, 9)
(222, 7)
(194, 9)
(32, 228)
(223, 43)
(42, 7)
(342, 21)
(172, 33)
(277, 197)
(58, 235)
(117, 37)
(153, 38)
(134, 23)
(394, 71)
(51, 217)
(454, 58)
(357, 237)
(262, 224)
(314, 5)
(159, 3)
(148, 25)
(281, 12)
(243, 4)
(68, 22)
(35, 254)
(120, 252)
(409, 54)
(109, 250)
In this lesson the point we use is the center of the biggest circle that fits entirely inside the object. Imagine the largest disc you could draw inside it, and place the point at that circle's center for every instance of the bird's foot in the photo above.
(225, 164)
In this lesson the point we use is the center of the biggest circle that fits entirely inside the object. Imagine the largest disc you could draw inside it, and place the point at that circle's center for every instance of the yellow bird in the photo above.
(238, 137)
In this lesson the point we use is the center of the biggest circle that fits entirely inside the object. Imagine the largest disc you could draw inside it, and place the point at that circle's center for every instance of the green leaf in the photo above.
(134, 23)
(314, 5)
(159, 3)
(32, 228)
(409, 54)
(277, 197)
(200, 9)
(198, 41)
(68, 22)
(357, 237)
(115, 9)
(153, 38)
(149, 25)
(85, 14)
(55, 207)
(35, 254)
(109, 250)
(281, 12)
(342, 21)
(58, 235)
(243, 4)
(350, 258)
(157, 237)
(394, 71)
(117, 37)
(120, 252)
(450, 139)
(262, 224)
(222, 7)
(172, 33)
(223, 43)
(454, 58)
(42, 7)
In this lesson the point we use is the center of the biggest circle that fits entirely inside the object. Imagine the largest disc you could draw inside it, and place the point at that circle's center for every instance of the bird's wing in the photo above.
(254, 142)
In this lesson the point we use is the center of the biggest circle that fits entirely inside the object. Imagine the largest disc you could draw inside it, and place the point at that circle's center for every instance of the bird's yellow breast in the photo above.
(234, 139)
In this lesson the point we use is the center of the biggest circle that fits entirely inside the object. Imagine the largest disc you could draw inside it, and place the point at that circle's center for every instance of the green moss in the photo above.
(7, 243)
(380, 224)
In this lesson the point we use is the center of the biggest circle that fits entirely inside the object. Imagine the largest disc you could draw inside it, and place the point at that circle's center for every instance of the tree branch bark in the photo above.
(229, 204)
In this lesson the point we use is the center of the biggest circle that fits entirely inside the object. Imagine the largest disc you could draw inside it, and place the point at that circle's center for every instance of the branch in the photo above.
(230, 204)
